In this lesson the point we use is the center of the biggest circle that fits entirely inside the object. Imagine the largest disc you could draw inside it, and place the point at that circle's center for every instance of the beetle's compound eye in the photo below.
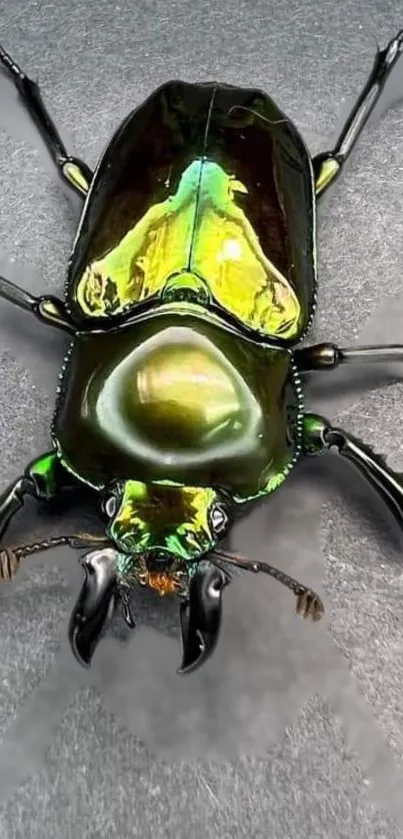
(110, 506)
(218, 518)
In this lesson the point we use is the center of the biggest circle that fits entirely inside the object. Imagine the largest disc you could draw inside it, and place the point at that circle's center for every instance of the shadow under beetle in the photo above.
(191, 281)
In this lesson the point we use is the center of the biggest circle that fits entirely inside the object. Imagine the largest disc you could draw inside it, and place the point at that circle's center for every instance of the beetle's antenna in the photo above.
(309, 603)
(11, 558)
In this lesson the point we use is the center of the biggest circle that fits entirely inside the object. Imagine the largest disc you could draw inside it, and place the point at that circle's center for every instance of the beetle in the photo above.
(191, 282)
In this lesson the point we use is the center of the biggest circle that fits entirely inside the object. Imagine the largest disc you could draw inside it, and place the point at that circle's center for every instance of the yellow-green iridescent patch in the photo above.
(154, 249)
(75, 176)
(276, 475)
(199, 230)
(328, 171)
(164, 517)
(227, 252)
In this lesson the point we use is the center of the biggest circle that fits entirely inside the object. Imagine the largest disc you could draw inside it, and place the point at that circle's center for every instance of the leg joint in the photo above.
(315, 435)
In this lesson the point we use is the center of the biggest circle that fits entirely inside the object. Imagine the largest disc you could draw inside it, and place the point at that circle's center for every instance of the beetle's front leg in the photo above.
(319, 437)
(43, 479)
(47, 309)
(76, 173)
(328, 165)
(328, 356)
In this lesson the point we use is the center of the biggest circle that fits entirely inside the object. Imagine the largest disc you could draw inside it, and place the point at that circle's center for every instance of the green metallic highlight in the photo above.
(156, 248)
(313, 430)
(161, 518)
(228, 253)
(44, 471)
(199, 239)
(126, 565)
(75, 176)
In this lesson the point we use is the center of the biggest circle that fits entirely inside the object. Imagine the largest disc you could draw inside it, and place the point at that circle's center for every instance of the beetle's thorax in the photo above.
(176, 398)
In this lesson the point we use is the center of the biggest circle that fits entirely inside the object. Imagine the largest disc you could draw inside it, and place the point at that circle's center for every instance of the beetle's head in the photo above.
(169, 529)
(164, 522)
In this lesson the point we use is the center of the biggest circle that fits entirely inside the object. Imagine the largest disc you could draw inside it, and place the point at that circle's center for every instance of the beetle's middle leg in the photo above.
(328, 356)
(76, 173)
(328, 165)
(320, 437)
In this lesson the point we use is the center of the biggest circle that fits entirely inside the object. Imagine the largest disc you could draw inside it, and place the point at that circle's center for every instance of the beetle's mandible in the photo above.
(191, 282)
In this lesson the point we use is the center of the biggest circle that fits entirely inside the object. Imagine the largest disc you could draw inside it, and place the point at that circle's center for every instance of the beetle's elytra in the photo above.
(191, 282)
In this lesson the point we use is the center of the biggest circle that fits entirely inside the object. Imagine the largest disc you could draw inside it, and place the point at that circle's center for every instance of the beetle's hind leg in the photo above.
(328, 165)
(76, 173)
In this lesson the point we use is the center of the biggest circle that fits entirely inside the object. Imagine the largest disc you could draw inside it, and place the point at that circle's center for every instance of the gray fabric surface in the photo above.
(291, 730)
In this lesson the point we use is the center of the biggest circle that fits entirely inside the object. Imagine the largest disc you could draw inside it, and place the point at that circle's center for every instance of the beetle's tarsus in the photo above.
(327, 166)
(10, 65)
(9, 564)
(390, 53)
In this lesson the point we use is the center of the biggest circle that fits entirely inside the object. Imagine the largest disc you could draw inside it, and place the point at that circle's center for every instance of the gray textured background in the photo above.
(291, 730)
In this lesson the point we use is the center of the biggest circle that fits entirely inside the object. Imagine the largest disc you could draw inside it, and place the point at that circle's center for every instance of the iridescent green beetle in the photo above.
(191, 281)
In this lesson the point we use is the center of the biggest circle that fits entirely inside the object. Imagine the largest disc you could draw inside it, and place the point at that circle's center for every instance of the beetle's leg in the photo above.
(328, 165)
(43, 479)
(48, 309)
(328, 356)
(76, 173)
(319, 436)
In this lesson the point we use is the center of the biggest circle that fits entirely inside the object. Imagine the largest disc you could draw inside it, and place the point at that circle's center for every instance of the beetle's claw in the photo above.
(200, 617)
(95, 604)
(309, 605)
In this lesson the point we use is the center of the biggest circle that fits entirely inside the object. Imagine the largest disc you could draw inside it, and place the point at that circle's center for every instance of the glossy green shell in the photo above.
(207, 187)
(178, 398)
(192, 273)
